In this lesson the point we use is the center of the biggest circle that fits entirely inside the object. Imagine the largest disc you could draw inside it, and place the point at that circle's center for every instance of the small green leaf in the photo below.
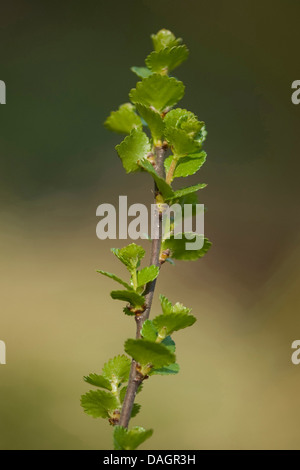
(164, 38)
(186, 166)
(125, 439)
(173, 322)
(167, 59)
(98, 403)
(149, 331)
(142, 72)
(117, 370)
(164, 188)
(148, 353)
(158, 91)
(123, 120)
(179, 251)
(185, 120)
(115, 278)
(135, 410)
(185, 191)
(169, 343)
(182, 144)
(128, 312)
(153, 119)
(171, 369)
(128, 296)
(132, 149)
(146, 275)
(130, 255)
(168, 307)
(98, 381)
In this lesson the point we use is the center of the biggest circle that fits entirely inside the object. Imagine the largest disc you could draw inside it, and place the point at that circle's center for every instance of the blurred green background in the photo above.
(66, 66)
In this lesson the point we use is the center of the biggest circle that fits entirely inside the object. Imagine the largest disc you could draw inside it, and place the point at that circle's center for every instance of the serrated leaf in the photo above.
(164, 38)
(153, 120)
(133, 148)
(117, 370)
(186, 166)
(142, 72)
(125, 439)
(185, 120)
(130, 255)
(167, 59)
(98, 381)
(136, 300)
(171, 369)
(148, 353)
(168, 307)
(115, 278)
(146, 275)
(164, 188)
(182, 144)
(149, 331)
(128, 312)
(98, 403)
(123, 120)
(169, 343)
(135, 410)
(179, 251)
(159, 91)
(189, 190)
(173, 322)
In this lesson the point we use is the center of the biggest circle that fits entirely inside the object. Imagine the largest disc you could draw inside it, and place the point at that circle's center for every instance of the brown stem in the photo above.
(135, 378)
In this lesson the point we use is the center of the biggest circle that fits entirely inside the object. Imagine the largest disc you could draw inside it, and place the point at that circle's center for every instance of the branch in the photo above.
(135, 378)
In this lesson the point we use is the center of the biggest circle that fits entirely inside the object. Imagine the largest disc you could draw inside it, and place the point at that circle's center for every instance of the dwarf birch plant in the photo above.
(165, 142)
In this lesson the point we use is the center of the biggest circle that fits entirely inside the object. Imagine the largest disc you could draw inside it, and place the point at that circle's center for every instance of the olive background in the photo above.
(66, 65)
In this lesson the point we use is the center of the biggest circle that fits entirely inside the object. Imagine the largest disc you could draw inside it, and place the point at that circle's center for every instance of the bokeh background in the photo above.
(66, 66)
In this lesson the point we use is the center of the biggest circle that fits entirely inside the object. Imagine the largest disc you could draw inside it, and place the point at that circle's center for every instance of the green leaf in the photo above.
(168, 307)
(123, 120)
(171, 369)
(190, 189)
(178, 250)
(164, 188)
(173, 322)
(125, 439)
(132, 149)
(117, 370)
(128, 296)
(149, 331)
(167, 59)
(130, 255)
(153, 119)
(158, 91)
(148, 353)
(146, 275)
(185, 120)
(186, 166)
(98, 403)
(182, 144)
(135, 410)
(98, 381)
(169, 343)
(164, 38)
(141, 72)
(115, 278)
